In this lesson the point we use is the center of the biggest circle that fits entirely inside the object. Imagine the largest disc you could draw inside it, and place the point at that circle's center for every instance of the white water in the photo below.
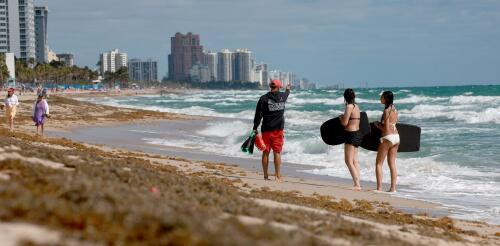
(457, 166)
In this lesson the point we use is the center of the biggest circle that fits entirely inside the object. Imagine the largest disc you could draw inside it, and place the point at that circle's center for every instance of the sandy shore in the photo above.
(74, 192)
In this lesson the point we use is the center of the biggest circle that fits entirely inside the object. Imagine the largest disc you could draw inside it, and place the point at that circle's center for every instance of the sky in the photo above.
(355, 42)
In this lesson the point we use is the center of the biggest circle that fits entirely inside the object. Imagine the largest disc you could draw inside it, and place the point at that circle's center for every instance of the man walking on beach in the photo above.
(271, 108)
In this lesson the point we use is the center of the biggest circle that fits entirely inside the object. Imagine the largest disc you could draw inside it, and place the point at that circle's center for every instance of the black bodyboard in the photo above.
(409, 136)
(332, 131)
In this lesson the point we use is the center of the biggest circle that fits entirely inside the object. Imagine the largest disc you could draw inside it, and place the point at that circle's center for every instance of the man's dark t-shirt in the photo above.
(271, 108)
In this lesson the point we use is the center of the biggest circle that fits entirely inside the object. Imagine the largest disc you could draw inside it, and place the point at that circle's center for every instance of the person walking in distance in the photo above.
(271, 111)
(10, 103)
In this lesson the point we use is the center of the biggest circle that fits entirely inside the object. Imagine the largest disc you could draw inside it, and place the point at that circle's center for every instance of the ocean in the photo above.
(458, 165)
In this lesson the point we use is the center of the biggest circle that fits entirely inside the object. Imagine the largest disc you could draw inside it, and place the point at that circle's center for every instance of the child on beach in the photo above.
(389, 142)
(353, 138)
(40, 112)
(11, 102)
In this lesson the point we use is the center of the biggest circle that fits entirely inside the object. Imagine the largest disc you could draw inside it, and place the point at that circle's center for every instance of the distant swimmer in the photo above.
(10, 103)
(389, 142)
(352, 135)
(271, 109)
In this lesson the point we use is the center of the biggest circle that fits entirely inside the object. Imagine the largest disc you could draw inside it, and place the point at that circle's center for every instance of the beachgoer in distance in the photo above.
(271, 109)
(10, 103)
(389, 142)
(40, 112)
(353, 138)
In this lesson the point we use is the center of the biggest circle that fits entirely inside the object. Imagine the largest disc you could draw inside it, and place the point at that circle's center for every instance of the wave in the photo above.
(462, 113)
(226, 129)
(414, 99)
(476, 100)
(432, 180)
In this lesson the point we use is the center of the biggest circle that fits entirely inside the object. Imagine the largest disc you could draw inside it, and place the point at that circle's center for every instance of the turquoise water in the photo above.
(458, 165)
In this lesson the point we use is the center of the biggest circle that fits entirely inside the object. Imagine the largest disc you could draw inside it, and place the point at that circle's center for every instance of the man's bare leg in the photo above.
(265, 164)
(277, 166)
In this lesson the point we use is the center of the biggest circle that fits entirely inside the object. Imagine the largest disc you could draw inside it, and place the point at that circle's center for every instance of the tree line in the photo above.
(55, 72)
(58, 73)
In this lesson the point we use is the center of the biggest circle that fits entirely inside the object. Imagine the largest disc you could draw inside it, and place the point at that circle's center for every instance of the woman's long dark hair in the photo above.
(388, 98)
(349, 96)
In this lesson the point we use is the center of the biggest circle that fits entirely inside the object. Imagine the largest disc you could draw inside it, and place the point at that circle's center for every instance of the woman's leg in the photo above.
(391, 161)
(381, 154)
(356, 165)
(42, 129)
(11, 123)
(349, 161)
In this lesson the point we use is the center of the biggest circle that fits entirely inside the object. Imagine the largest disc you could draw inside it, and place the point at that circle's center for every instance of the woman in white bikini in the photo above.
(389, 142)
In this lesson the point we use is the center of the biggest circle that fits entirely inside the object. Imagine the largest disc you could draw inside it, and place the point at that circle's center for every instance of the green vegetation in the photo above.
(120, 77)
(54, 72)
(4, 72)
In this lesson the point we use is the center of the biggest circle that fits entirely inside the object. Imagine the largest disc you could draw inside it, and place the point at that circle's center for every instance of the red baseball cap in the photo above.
(276, 83)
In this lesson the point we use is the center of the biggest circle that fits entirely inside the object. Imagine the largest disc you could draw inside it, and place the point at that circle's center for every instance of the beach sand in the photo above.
(117, 194)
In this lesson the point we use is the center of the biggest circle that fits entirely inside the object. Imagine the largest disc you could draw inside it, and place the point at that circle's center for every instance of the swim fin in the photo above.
(248, 145)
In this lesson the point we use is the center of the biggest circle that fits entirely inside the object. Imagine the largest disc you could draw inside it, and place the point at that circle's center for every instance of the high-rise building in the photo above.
(225, 65)
(67, 58)
(17, 28)
(9, 27)
(143, 70)
(242, 66)
(135, 69)
(42, 47)
(210, 60)
(199, 73)
(112, 61)
(261, 75)
(185, 51)
(27, 38)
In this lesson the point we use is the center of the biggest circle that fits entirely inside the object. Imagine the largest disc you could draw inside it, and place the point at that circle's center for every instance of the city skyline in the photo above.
(399, 44)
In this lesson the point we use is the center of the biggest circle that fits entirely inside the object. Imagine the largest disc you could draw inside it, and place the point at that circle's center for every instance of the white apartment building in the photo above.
(242, 65)
(112, 61)
(210, 60)
(27, 38)
(225, 65)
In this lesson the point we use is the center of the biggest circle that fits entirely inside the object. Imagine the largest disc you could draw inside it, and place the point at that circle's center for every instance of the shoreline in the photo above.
(233, 192)
(125, 136)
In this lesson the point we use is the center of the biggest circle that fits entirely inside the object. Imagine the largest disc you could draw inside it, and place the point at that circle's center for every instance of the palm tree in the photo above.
(122, 76)
(4, 72)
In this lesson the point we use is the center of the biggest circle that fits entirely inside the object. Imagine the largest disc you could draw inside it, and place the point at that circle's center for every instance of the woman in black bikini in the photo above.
(353, 138)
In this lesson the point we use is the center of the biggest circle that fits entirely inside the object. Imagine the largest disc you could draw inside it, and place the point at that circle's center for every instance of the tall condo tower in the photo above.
(42, 47)
(185, 51)
(224, 65)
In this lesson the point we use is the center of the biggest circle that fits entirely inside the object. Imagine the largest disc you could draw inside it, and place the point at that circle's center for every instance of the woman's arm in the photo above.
(46, 107)
(344, 119)
(381, 125)
(33, 110)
